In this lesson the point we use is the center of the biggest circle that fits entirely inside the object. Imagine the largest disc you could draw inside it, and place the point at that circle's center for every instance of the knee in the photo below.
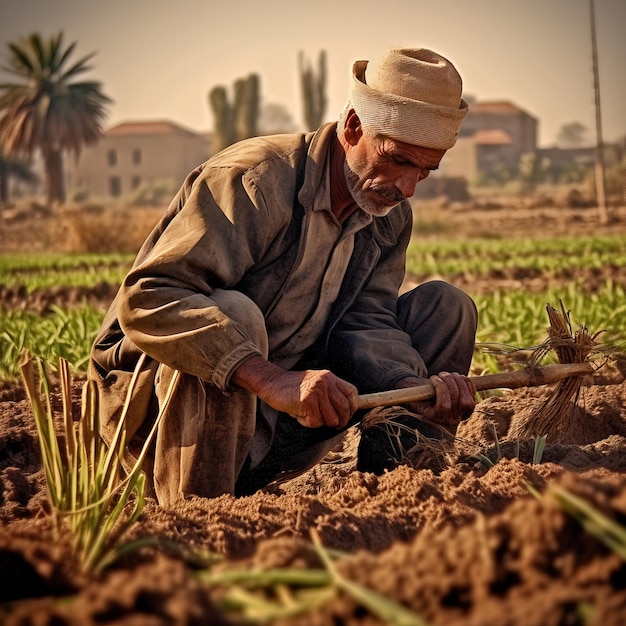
(437, 297)
(454, 301)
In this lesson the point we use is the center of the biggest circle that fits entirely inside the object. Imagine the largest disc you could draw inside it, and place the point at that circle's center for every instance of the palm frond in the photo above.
(22, 64)
(41, 54)
(78, 68)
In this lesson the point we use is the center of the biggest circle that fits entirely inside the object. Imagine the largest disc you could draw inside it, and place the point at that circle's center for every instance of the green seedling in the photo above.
(86, 482)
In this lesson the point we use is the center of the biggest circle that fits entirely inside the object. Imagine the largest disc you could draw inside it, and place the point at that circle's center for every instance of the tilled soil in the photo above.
(467, 545)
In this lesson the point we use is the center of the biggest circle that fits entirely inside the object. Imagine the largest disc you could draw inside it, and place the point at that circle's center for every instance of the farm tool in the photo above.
(552, 419)
(532, 376)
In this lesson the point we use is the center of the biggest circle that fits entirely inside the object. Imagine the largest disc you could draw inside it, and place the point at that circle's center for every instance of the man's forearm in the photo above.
(255, 374)
(314, 397)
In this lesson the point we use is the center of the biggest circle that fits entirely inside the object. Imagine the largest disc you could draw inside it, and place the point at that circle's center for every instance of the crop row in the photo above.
(481, 257)
(524, 246)
(507, 318)
(444, 258)
(44, 271)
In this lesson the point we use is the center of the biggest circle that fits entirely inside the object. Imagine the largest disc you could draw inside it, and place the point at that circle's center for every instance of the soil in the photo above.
(480, 540)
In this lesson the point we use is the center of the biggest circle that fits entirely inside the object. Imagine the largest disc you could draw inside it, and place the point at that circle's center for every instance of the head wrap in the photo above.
(414, 97)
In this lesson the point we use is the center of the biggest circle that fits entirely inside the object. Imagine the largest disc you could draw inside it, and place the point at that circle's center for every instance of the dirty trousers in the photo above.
(204, 440)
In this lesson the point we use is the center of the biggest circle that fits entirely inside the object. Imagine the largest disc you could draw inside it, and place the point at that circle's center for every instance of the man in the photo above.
(271, 284)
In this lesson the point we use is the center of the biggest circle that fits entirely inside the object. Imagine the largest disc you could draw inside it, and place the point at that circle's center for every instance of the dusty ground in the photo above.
(468, 545)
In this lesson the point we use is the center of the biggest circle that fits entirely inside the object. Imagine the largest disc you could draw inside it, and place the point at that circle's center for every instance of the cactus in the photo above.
(313, 90)
(236, 121)
(246, 107)
(222, 114)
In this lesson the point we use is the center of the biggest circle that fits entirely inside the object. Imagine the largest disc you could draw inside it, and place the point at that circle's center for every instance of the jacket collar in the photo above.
(383, 229)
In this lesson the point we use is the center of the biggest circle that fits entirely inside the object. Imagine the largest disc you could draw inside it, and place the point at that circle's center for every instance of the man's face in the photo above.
(381, 172)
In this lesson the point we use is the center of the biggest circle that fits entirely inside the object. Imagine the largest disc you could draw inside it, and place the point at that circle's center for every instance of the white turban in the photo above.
(414, 97)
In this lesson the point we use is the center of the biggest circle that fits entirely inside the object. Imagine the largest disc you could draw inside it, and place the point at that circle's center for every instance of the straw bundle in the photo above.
(560, 416)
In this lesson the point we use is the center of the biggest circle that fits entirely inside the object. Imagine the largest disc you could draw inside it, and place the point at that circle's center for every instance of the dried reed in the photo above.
(558, 416)
(420, 443)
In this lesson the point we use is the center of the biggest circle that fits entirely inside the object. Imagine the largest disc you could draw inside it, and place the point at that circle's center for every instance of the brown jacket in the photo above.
(237, 223)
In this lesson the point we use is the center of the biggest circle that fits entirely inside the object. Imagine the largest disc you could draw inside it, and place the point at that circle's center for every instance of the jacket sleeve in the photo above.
(165, 306)
(368, 347)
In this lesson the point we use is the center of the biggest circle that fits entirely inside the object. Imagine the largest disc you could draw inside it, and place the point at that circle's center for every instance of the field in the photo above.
(498, 534)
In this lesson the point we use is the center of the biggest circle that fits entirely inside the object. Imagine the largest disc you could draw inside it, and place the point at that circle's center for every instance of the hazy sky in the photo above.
(159, 59)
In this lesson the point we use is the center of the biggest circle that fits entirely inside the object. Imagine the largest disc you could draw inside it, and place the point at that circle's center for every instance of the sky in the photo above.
(159, 59)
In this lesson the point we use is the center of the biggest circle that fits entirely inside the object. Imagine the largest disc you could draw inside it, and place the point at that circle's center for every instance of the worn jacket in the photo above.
(238, 223)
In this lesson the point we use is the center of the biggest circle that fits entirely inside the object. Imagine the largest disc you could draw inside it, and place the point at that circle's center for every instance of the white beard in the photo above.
(369, 197)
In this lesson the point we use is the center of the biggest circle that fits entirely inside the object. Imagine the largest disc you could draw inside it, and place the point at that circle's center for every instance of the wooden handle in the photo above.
(505, 380)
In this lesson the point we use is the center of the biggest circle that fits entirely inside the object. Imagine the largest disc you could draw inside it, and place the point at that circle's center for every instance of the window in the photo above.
(135, 182)
(136, 156)
(112, 157)
(115, 186)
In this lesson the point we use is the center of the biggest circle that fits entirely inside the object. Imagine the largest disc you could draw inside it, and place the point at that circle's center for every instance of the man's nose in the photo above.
(407, 182)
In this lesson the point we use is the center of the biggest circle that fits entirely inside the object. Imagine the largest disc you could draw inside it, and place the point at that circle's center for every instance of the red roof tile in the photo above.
(500, 106)
(492, 137)
(161, 127)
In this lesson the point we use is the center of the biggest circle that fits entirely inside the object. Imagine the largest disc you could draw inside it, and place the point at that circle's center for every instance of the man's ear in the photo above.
(352, 128)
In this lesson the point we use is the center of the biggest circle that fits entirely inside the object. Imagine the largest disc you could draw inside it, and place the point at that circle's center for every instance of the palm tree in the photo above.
(46, 111)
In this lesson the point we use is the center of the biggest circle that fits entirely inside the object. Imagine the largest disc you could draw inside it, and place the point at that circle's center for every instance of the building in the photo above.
(136, 155)
(493, 138)
(502, 132)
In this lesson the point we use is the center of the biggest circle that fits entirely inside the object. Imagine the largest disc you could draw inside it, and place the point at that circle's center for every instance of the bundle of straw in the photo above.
(396, 436)
(560, 415)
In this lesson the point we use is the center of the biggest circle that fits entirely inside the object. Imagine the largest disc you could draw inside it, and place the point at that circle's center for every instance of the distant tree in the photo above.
(237, 120)
(223, 118)
(247, 105)
(46, 110)
(275, 118)
(573, 135)
(313, 90)
(532, 171)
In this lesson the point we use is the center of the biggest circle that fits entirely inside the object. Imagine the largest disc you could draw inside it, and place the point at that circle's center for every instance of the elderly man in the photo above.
(271, 284)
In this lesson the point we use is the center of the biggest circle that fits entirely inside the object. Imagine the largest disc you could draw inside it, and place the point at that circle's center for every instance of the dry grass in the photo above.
(95, 228)
(99, 229)
(420, 443)
(558, 415)
(410, 439)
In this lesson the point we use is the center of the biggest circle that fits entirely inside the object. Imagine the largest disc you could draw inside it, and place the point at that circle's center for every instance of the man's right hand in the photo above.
(314, 397)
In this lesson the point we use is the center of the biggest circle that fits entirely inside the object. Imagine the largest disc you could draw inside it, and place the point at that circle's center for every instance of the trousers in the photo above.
(203, 442)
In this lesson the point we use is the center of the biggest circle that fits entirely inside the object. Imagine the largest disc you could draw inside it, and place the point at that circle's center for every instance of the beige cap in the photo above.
(414, 97)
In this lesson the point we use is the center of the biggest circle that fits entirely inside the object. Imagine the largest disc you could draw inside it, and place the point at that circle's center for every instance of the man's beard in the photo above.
(367, 201)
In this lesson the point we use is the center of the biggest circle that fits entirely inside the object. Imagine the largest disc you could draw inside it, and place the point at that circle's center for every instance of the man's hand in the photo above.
(454, 399)
(314, 397)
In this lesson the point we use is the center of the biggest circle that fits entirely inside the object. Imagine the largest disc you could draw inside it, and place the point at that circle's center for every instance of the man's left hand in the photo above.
(454, 398)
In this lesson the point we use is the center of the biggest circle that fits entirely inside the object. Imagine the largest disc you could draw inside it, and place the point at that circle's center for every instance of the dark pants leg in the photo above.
(441, 321)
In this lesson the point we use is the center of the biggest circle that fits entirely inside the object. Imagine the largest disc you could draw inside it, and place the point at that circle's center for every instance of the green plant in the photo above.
(84, 479)
(260, 597)
(540, 444)
(237, 120)
(64, 333)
